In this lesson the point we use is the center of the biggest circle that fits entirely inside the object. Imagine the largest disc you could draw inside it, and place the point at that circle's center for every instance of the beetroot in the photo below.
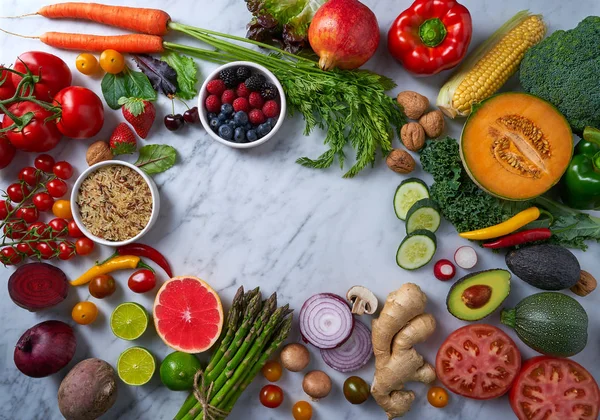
(38, 286)
(45, 349)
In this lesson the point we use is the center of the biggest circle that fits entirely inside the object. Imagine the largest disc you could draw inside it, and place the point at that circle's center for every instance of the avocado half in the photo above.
(477, 295)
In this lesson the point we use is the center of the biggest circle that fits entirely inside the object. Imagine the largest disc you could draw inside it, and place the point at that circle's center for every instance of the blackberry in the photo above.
(228, 77)
(269, 91)
(242, 73)
(255, 82)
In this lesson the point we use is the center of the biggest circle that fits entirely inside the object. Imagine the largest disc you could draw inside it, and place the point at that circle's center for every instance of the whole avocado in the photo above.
(545, 266)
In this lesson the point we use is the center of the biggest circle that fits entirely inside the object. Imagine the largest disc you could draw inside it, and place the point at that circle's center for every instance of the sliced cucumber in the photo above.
(424, 214)
(416, 250)
(408, 193)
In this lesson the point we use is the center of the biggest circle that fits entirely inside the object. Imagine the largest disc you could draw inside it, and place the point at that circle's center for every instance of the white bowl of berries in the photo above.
(241, 105)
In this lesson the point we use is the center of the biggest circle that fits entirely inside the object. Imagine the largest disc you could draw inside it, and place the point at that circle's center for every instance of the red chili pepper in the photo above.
(141, 250)
(519, 238)
(431, 36)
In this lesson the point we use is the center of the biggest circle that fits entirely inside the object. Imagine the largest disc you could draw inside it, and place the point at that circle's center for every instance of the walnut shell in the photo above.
(586, 284)
(433, 123)
(414, 104)
(413, 136)
(98, 152)
(400, 161)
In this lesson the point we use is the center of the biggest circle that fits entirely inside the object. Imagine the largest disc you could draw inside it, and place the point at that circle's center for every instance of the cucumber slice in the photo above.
(416, 250)
(424, 214)
(408, 193)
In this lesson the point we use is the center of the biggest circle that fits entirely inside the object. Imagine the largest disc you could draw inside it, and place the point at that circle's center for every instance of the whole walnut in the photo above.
(98, 152)
(433, 123)
(413, 136)
(414, 104)
(400, 161)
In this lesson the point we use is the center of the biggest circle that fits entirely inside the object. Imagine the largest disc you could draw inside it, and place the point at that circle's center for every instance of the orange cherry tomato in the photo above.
(437, 396)
(272, 371)
(87, 63)
(62, 209)
(112, 61)
(84, 313)
(302, 410)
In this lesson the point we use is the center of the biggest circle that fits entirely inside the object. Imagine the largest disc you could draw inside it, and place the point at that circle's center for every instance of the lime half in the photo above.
(129, 320)
(135, 366)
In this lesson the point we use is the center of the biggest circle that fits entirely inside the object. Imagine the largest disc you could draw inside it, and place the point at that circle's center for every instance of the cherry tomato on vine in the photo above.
(356, 390)
(46, 249)
(87, 63)
(74, 231)
(40, 230)
(54, 72)
(10, 256)
(7, 89)
(62, 209)
(272, 370)
(112, 61)
(15, 229)
(302, 410)
(29, 213)
(56, 188)
(271, 396)
(17, 192)
(7, 150)
(84, 246)
(84, 313)
(142, 281)
(27, 248)
(44, 163)
(30, 175)
(63, 169)
(43, 201)
(39, 135)
(66, 250)
(437, 396)
(5, 208)
(58, 226)
(82, 113)
(102, 286)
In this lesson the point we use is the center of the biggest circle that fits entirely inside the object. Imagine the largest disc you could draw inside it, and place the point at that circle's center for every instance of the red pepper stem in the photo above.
(432, 32)
(142, 264)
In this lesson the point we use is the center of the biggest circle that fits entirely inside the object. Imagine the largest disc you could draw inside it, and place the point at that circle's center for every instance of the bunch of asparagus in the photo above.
(255, 329)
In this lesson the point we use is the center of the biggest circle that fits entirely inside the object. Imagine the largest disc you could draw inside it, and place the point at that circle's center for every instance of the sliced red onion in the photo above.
(326, 321)
(354, 353)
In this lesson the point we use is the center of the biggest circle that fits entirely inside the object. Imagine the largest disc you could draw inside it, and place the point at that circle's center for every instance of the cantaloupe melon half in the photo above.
(516, 146)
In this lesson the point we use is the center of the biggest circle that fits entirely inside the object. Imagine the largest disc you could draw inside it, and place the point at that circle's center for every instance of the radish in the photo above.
(465, 257)
(444, 270)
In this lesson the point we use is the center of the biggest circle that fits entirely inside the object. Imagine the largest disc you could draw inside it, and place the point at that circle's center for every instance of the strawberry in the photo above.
(228, 96)
(256, 117)
(242, 91)
(241, 104)
(122, 140)
(256, 101)
(213, 104)
(139, 113)
(271, 109)
(216, 87)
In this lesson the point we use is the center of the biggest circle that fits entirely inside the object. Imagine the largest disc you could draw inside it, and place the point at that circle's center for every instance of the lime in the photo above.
(129, 320)
(136, 366)
(177, 370)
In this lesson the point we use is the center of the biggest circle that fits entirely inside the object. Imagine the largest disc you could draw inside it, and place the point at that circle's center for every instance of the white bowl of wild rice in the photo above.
(114, 203)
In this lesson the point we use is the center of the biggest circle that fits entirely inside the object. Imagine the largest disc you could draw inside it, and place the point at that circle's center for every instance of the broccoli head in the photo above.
(564, 69)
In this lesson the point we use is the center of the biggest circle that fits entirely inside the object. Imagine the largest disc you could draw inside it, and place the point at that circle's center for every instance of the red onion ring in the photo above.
(326, 321)
(354, 353)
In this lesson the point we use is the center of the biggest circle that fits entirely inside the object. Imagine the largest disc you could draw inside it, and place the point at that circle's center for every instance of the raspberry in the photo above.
(271, 109)
(241, 104)
(228, 96)
(256, 101)
(242, 91)
(256, 117)
(213, 104)
(216, 87)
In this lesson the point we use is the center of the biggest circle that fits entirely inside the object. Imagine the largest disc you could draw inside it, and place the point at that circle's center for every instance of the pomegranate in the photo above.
(344, 34)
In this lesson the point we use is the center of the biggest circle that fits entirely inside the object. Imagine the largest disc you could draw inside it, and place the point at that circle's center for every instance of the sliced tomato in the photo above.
(478, 361)
(551, 388)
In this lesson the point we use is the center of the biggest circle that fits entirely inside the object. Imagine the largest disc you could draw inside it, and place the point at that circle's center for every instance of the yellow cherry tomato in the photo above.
(62, 209)
(84, 313)
(272, 370)
(437, 396)
(112, 61)
(86, 63)
(302, 410)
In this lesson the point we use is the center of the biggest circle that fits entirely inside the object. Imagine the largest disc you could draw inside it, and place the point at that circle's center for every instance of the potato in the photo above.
(88, 390)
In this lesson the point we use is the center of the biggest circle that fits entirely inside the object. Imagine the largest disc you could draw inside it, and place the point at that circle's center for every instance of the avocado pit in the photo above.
(477, 296)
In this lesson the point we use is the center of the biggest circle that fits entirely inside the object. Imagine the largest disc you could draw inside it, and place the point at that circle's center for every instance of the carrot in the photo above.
(134, 43)
(136, 19)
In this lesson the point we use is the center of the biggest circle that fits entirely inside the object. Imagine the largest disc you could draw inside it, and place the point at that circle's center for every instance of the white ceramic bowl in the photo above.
(75, 206)
(255, 68)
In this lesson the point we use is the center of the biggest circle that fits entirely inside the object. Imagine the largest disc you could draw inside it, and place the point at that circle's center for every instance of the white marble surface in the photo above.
(256, 218)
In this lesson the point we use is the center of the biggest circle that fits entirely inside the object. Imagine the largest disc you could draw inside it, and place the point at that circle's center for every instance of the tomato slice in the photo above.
(478, 361)
(551, 388)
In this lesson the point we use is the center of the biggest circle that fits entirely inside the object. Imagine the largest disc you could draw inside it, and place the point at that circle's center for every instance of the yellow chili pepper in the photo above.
(116, 263)
(516, 222)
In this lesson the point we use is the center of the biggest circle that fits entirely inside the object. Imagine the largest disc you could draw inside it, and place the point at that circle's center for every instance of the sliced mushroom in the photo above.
(362, 299)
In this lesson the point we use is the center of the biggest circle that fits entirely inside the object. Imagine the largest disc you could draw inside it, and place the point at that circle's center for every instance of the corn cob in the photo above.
(491, 65)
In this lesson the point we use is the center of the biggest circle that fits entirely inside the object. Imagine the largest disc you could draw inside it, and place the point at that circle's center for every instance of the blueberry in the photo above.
(211, 115)
(272, 122)
(251, 136)
(226, 132)
(215, 124)
(232, 124)
(227, 109)
(222, 117)
(239, 135)
(248, 126)
(263, 129)
(240, 118)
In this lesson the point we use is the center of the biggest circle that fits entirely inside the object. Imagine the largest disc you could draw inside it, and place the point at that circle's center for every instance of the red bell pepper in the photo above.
(431, 36)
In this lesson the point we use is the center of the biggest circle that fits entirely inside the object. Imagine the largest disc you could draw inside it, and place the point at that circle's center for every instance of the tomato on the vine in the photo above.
(29, 213)
(54, 73)
(272, 370)
(56, 188)
(58, 226)
(102, 286)
(62, 209)
(66, 250)
(40, 230)
(84, 313)
(142, 281)
(46, 249)
(112, 61)
(63, 170)
(7, 89)
(17, 192)
(43, 201)
(5, 208)
(10, 256)
(15, 229)
(7, 150)
(39, 135)
(44, 163)
(82, 113)
(84, 246)
(271, 396)
(86, 63)
(27, 248)
(74, 231)
(302, 410)
(30, 175)
(437, 397)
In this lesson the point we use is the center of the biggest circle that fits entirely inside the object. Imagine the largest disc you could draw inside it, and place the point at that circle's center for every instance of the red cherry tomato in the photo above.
(9, 256)
(56, 188)
(7, 150)
(29, 213)
(82, 114)
(271, 396)
(15, 229)
(44, 163)
(46, 249)
(84, 246)
(7, 89)
(17, 192)
(142, 281)
(30, 175)
(27, 248)
(63, 170)
(38, 135)
(74, 231)
(43, 201)
(5, 208)
(39, 230)
(66, 250)
(58, 226)
(55, 74)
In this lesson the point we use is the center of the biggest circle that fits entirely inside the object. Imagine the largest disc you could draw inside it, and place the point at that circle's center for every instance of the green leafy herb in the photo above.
(113, 88)
(137, 85)
(156, 158)
(128, 84)
(187, 74)
(162, 76)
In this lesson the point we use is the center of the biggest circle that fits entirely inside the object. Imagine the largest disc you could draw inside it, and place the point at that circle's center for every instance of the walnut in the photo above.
(400, 161)
(98, 152)
(433, 123)
(414, 104)
(413, 136)
(586, 284)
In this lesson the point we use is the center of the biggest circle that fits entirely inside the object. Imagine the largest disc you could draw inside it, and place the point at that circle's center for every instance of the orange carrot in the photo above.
(136, 19)
(134, 43)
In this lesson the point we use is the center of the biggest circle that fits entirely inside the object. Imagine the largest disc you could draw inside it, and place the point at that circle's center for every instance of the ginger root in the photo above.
(401, 324)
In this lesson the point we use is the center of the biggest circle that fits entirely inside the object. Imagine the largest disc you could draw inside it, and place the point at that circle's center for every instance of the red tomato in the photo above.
(58, 226)
(38, 135)
(82, 114)
(17, 192)
(15, 229)
(44, 163)
(478, 361)
(9, 256)
(46, 249)
(55, 74)
(30, 175)
(66, 250)
(7, 150)
(84, 246)
(74, 231)
(63, 170)
(5, 208)
(271, 396)
(39, 229)
(7, 89)
(56, 188)
(27, 248)
(43, 201)
(29, 213)
(549, 387)
(142, 281)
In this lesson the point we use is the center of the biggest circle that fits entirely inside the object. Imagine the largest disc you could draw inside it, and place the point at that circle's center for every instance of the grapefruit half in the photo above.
(188, 314)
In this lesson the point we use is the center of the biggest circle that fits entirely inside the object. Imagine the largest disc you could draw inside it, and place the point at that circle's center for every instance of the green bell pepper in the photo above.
(580, 185)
